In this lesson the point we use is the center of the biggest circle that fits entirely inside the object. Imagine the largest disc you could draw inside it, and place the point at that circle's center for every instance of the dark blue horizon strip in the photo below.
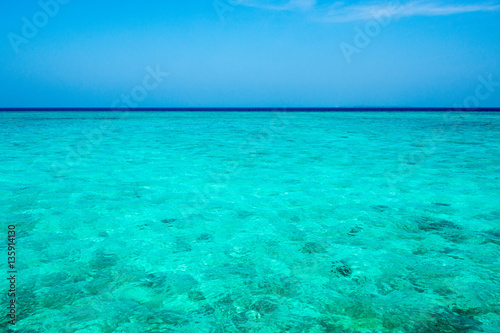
(264, 109)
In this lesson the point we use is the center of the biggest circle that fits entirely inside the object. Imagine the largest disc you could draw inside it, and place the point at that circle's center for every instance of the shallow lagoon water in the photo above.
(253, 222)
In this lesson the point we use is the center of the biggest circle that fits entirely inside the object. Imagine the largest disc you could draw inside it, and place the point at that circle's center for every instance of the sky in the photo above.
(249, 53)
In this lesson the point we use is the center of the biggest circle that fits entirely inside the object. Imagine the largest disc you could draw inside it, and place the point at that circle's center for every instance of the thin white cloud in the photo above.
(341, 12)
(338, 13)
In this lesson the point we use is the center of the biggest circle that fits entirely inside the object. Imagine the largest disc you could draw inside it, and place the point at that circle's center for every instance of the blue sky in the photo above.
(249, 53)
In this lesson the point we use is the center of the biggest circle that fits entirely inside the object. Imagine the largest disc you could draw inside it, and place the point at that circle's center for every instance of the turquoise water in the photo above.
(253, 222)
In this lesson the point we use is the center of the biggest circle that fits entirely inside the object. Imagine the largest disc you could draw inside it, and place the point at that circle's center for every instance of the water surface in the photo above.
(254, 222)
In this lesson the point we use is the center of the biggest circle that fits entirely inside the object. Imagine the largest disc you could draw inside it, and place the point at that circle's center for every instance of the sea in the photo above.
(250, 221)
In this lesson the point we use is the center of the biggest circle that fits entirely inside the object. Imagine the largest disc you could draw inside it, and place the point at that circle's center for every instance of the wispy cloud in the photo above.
(341, 12)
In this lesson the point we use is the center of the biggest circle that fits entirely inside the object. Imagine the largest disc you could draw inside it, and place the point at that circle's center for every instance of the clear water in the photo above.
(253, 222)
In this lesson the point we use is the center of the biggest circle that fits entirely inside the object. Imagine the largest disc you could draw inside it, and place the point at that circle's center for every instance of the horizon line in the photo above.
(253, 109)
